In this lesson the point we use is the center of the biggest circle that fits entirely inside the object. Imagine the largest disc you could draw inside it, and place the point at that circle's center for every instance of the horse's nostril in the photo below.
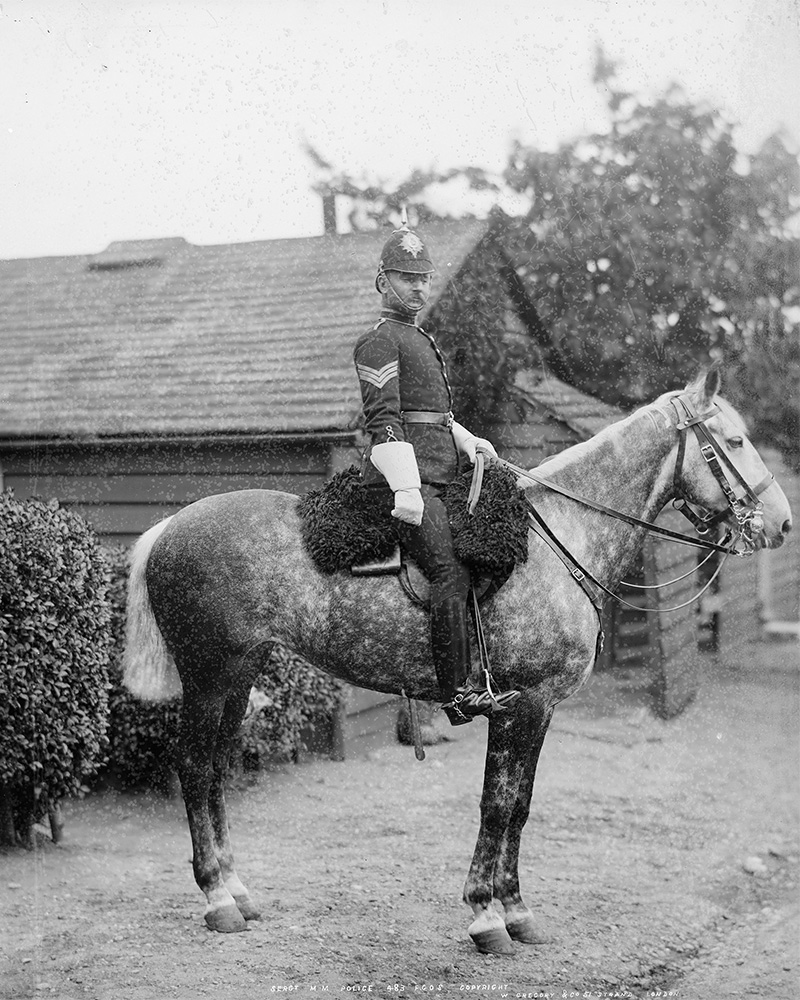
(787, 526)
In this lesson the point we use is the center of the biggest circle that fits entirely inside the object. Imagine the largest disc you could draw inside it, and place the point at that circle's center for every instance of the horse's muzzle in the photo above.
(780, 538)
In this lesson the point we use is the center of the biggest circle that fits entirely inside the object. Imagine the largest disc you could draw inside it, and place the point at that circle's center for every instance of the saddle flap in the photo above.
(414, 582)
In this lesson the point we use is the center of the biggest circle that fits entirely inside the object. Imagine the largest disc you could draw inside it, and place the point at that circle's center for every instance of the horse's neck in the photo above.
(625, 467)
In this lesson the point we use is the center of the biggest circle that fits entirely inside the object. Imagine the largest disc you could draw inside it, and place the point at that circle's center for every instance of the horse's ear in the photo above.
(707, 385)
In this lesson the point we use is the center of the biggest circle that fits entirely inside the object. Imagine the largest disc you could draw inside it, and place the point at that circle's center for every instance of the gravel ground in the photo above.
(661, 856)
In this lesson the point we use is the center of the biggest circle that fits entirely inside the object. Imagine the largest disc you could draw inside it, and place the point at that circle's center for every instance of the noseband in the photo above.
(746, 509)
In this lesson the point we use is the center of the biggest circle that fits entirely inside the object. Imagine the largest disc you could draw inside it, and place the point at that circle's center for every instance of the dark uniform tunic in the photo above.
(401, 369)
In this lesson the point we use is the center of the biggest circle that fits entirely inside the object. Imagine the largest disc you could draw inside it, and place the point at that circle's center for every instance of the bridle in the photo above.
(746, 509)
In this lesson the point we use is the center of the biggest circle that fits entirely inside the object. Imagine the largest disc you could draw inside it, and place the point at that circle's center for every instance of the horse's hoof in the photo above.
(526, 932)
(495, 941)
(247, 908)
(489, 933)
(226, 919)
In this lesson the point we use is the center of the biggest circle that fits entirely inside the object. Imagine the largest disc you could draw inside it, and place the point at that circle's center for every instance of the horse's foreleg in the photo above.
(519, 920)
(507, 757)
(232, 716)
(200, 721)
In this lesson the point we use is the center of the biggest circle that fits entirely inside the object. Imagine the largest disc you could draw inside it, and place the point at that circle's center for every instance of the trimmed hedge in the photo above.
(54, 656)
(143, 735)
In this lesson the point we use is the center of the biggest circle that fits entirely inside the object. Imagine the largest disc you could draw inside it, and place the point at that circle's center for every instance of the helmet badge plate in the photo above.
(412, 244)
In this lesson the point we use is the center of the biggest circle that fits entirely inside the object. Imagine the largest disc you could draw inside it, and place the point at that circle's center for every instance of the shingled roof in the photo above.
(162, 337)
(586, 415)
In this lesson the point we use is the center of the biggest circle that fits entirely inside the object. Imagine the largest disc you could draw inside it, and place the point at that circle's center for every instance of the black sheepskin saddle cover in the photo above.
(346, 523)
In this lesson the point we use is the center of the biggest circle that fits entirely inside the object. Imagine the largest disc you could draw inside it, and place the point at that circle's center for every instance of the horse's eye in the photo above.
(736, 442)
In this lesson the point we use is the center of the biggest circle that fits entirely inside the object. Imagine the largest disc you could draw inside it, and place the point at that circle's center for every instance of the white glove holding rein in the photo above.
(468, 444)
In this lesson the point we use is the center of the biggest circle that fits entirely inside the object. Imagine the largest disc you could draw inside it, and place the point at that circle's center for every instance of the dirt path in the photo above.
(635, 858)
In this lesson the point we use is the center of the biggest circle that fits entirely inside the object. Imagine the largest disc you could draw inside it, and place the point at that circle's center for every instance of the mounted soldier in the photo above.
(415, 447)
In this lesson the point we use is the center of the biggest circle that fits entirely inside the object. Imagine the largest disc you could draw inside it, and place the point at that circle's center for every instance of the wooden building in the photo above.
(144, 377)
(156, 372)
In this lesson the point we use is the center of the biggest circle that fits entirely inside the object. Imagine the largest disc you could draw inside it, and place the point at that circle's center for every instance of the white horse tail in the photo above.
(148, 669)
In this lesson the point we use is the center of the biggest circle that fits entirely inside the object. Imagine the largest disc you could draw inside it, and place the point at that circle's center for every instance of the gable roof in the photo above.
(586, 415)
(163, 337)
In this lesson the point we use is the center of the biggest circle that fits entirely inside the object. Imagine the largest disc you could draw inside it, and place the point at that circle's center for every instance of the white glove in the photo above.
(397, 463)
(468, 444)
(408, 506)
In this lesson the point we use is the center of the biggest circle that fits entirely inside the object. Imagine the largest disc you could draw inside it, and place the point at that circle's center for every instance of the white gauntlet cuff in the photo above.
(397, 463)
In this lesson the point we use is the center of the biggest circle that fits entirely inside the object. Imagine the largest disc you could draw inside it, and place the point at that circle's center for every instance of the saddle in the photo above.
(347, 526)
(414, 581)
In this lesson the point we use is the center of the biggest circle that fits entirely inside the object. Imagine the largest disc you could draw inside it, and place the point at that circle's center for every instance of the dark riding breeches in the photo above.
(430, 545)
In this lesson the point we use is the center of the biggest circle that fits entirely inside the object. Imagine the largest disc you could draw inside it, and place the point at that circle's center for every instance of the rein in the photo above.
(746, 510)
(655, 529)
(581, 574)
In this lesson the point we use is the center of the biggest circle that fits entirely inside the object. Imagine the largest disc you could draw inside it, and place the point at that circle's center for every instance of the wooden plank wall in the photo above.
(679, 660)
(739, 605)
(779, 569)
(647, 636)
(529, 438)
(122, 490)
(629, 632)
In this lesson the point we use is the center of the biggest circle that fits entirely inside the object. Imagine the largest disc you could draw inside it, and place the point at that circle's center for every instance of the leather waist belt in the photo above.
(427, 417)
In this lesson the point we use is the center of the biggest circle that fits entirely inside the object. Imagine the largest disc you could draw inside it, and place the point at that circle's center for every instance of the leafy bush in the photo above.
(54, 654)
(297, 697)
(293, 696)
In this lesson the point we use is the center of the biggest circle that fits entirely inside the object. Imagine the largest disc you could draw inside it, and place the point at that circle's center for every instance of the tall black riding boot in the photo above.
(463, 699)
(450, 644)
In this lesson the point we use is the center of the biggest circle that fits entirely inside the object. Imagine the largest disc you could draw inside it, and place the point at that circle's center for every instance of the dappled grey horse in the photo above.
(215, 586)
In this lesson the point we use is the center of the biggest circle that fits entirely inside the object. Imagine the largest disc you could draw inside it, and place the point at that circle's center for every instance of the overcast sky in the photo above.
(123, 120)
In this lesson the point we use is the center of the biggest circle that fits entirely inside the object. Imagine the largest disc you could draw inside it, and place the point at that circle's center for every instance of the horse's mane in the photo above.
(660, 412)
(575, 453)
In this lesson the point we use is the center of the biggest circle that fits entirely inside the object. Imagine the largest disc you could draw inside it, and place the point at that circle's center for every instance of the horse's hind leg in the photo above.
(513, 746)
(200, 722)
(232, 715)
(520, 921)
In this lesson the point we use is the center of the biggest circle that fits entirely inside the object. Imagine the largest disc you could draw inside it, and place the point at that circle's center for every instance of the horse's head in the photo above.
(719, 470)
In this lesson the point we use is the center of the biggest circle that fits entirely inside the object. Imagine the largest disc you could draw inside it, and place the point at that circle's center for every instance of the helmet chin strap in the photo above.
(411, 310)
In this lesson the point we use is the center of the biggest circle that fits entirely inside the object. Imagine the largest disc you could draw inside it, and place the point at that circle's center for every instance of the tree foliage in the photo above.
(477, 323)
(655, 248)
(646, 251)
